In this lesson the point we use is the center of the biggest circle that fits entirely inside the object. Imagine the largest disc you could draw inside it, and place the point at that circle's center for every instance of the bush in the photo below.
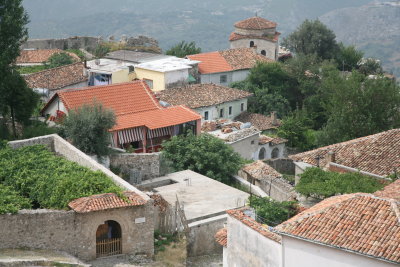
(59, 59)
(47, 180)
(318, 183)
(11, 201)
(88, 126)
(273, 212)
(37, 128)
(204, 154)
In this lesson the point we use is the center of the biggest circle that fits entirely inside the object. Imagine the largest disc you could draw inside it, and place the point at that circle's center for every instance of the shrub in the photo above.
(11, 201)
(273, 212)
(47, 180)
(59, 59)
(318, 183)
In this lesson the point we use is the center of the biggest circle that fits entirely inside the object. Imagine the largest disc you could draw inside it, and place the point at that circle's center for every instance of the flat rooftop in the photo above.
(168, 64)
(106, 65)
(134, 56)
(201, 196)
(235, 135)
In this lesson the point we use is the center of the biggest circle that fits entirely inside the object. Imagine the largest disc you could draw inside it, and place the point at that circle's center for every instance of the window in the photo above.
(251, 44)
(131, 69)
(242, 107)
(221, 113)
(261, 154)
(149, 83)
(230, 110)
(263, 53)
(223, 79)
(252, 142)
(206, 115)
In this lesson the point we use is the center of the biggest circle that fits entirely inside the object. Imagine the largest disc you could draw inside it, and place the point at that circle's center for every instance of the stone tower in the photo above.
(258, 33)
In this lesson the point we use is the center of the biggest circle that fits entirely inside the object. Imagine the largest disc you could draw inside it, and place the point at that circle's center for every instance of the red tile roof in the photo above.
(201, 95)
(358, 222)
(255, 23)
(40, 55)
(260, 170)
(260, 121)
(221, 237)
(378, 154)
(250, 222)
(155, 119)
(57, 78)
(122, 98)
(133, 103)
(390, 191)
(228, 60)
(264, 139)
(105, 202)
(236, 36)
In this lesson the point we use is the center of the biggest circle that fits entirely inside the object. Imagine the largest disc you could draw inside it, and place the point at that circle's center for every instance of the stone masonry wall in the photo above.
(146, 165)
(282, 165)
(76, 42)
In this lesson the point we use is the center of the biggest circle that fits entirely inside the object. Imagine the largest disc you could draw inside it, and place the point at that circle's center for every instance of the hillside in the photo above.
(374, 28)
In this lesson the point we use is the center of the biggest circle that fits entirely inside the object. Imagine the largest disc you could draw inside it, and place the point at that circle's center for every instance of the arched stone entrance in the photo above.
(275, 153)
(261, 154)
(108, 239)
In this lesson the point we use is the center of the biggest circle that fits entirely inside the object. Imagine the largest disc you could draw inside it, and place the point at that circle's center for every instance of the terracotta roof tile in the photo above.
(264, 139)
(122, 98)
(236, 36)
(57, 78)
(260, 170)
(378, 154)
(250, 222)
(155, 119)
(105, 202)
(201, 95)
(221, 237)
(358, 222)
(390, 191)
(40, 56)
(260, 121)
(255, 23)
(228, 60)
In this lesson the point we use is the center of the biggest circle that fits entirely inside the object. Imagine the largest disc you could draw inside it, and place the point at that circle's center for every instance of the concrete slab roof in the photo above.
(201, 196)
(134, 56)
(168, 64)
(106, 65)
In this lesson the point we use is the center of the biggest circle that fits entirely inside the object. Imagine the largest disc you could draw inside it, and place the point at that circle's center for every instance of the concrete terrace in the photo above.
(201, 196)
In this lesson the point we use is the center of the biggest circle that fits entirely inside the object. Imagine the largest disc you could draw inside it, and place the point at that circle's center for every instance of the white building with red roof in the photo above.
(259, 33)
(141, 121)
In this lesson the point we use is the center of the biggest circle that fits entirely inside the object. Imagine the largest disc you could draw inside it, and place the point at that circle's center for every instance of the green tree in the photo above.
(348, 57)
(204, 154)
(59, 59)
(17, 101)
(357, 106)
(101, 50)
(88, 126)
(183, 49)
(273, 212)
(312, 37)
(370, 66)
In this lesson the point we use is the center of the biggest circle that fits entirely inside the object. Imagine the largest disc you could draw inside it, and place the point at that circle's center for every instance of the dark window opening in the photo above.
(275, 153)
(241, 106)
(206, 115)
(251, 44)
(223, 79)
(261, 154)
(263, 53)
(221, 113)
(230, 110)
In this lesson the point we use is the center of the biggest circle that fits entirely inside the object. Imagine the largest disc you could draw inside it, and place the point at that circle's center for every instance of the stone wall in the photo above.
(282, 165)
(76, 42)
(277, 188)
(201, 239)
(146, 166)
(75, 233)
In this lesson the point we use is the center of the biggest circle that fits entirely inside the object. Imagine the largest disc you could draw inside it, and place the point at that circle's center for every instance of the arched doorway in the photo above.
(251, 44)
(261, 154)
(275, 153)
(263, 53)
(108, 239)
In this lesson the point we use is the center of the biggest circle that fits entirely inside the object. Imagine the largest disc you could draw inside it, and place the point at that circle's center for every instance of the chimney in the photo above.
(330, 157)
(274, 119)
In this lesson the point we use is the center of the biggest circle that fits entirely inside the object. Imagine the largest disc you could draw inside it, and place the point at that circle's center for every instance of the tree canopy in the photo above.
(88, 126)
(183, 49)
(312, 37)
(59, 59)
(204, 154)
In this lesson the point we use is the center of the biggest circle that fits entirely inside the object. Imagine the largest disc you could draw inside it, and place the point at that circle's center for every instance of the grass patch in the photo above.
(30, 69)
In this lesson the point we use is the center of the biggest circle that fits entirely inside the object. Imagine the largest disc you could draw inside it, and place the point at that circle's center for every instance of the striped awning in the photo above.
(160, 132)
(130, 135)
